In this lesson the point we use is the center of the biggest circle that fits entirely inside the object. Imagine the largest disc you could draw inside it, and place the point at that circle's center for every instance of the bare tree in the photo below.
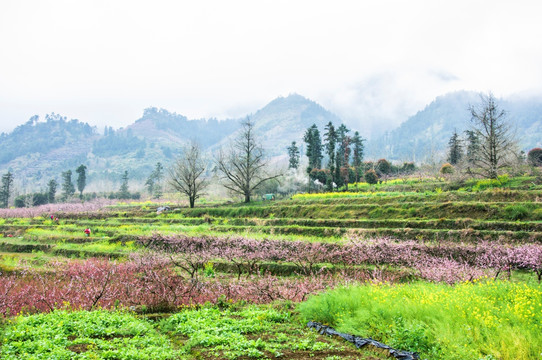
(496, 141)
(244, 167)
(186, 175)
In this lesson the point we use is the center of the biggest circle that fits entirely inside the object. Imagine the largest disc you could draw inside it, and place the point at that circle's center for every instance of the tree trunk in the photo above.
(192, 201)
(247, 197)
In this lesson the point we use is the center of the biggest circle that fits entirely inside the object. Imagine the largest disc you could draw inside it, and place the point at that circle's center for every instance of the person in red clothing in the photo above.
(87, 231)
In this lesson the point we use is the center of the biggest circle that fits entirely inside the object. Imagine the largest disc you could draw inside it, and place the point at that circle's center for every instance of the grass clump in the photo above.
(252, 331)
(501, 320)
(100, 334)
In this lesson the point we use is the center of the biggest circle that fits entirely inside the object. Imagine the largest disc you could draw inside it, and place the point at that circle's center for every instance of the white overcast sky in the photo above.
(372, 62)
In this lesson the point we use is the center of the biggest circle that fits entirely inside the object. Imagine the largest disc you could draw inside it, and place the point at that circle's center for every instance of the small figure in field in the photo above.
(87, 231)
(56, 219)
(52, 217)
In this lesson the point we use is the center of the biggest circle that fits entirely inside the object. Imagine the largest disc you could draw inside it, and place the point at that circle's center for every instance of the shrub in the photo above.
(371, 177)
(383, 166)
(447, 169)
(516, 212)
(534, 157)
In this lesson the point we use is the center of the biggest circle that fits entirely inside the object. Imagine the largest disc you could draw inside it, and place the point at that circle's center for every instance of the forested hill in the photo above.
(424, 136)
(42, 149)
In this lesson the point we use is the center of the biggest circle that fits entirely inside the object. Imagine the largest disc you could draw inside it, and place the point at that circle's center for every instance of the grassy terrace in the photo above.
(156, 271)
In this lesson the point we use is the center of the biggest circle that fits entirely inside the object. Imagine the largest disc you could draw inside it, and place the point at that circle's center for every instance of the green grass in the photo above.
(83, 335)
(484, 320)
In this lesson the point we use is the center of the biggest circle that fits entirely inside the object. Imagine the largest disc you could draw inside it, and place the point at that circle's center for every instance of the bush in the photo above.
(383, 166)
(371, 177)
(447, 169)
(516, 212)
(534, 157)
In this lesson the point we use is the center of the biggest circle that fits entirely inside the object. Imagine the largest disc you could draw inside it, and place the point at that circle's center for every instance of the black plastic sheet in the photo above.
(361, 342)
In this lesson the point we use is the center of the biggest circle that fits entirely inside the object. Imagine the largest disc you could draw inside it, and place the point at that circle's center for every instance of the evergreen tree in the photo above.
(456, 149)
(124, 193)
(473, 146)
(330, 140)
(342, 134)
(153, 183)
(81, 179)
(158, 175)
(5, 191)
(293, 155)
(51, 191)
(314, 148)
(67, 186)
(357, 143)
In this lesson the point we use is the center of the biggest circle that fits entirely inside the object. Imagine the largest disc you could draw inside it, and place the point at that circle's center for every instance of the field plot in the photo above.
(225, 281)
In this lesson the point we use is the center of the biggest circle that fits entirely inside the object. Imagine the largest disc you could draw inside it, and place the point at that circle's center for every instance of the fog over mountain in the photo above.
(41, 149)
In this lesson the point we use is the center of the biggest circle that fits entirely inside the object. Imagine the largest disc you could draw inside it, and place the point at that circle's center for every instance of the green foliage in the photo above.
(51, 190)
(81, 178)
(66, 335)
(484, 184)
(534, 157)
(516, 212)
(293, 156)
(371, 177)
(441, 322)
(235, 333)
(67, 186)
(42, 136)
(124, 193)
(5, 190)
(447, 169)
(314, 148)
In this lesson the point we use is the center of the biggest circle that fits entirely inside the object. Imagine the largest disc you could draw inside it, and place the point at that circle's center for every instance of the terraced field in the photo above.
(282, 252)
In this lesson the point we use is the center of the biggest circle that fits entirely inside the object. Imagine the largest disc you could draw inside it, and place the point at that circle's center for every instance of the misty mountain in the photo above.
(40, 150)
(424, 136)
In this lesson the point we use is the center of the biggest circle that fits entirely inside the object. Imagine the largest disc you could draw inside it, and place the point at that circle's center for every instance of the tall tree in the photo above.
(293, 156)
(67, 186)
(496, 139)
(51, 191)
(455, 149)
(5, 191)
(330, 140)
(314, 148)
(244, 166)
(124, 192)
(473, 145)
(81, 179)
(186, 175)
(154, 181)
(342, 133)
(357, 143)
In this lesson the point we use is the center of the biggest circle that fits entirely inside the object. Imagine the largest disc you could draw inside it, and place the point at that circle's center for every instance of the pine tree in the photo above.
(357, 143)
(81, 179)
(473, 144)
(456, 149)
(342, 132)
(314, 148)
(293, 155)
(5, 191)
(67, 186)
(158, 176)
(51, 190)
(124, 193)
(330, 140)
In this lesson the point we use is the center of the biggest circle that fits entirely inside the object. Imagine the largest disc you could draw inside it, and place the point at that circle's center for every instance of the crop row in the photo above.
(446, 262)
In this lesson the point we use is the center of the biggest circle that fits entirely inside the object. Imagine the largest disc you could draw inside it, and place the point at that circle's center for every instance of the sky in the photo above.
(373, 63)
